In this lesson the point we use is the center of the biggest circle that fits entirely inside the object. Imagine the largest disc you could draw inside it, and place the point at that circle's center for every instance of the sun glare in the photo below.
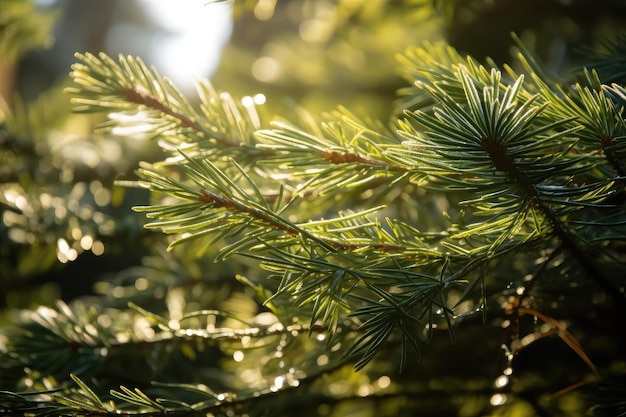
(188, 45)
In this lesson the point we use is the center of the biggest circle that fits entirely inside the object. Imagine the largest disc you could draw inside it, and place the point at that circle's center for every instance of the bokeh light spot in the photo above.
(97, 248)
(497, 399)
(266, 69)
(384, 381)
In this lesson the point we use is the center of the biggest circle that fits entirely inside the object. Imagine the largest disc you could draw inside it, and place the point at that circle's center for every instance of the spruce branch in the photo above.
(499, 138)
(356, 242)
(136, 96)
(607, 59)
(23, 27)
(128, 87)
(338, 151)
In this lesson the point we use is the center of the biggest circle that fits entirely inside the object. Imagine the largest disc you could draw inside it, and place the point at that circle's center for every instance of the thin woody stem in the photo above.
(137, 97)
(502, 161)
(208, 197)
(337, 157)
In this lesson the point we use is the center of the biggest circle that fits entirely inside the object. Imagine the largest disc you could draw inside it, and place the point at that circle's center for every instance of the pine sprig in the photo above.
(599, 119)
(607, 59)
(138, 96)
(23, 27)
(141, 100)
(337, 152)
(523, 165)
(217, 204)
(484, 135)
(226, 208)
(485, 146)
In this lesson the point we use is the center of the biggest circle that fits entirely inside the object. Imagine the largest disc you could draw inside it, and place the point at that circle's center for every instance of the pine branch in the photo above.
(153, 104)
(23, 27)
(492, 184)
(294, 249)
(338, 151)
(607, 59)
(491, 137)
(140, 98)
(508, 128)
(131, 88)
(215, 193)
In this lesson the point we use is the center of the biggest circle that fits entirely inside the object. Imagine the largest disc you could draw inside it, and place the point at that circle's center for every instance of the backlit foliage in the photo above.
(323, 263)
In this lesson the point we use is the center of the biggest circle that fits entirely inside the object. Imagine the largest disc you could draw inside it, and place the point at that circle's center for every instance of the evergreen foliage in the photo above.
(312, 259)
(22, 27)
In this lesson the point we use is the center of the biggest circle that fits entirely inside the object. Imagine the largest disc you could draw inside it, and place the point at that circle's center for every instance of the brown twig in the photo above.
(502, 161)
(138, 97)
(208, 197)
(337, 157)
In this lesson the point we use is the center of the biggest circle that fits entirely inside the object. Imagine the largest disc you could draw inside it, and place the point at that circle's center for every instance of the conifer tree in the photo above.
(465, 257)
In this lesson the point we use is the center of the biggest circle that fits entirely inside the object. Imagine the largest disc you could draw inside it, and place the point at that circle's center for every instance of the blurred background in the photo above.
(182, 39)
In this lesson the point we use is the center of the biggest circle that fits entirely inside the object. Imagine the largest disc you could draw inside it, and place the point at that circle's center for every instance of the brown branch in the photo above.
(337, 157)
(502, 161)
(137, 97)
(134, 96)
(607, 142)
(207, 197)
